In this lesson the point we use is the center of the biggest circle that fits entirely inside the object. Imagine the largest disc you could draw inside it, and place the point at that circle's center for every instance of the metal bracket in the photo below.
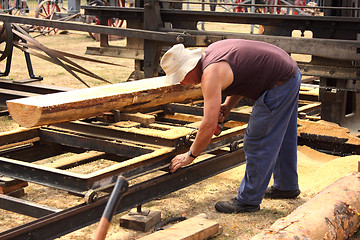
(29, 66)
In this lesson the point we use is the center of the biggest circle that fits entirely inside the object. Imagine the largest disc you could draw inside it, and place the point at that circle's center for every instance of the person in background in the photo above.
(238, 68)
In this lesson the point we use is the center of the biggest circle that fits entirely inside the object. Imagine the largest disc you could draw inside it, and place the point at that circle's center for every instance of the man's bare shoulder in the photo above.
(219, 72)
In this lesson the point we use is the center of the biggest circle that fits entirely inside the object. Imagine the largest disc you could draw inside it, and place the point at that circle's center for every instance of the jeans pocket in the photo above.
(259, 119)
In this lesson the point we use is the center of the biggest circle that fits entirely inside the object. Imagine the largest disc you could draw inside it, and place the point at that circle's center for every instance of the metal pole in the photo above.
(252, 10)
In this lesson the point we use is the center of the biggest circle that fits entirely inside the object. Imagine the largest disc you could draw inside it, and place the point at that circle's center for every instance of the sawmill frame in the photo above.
(21, 149)
(20, 152)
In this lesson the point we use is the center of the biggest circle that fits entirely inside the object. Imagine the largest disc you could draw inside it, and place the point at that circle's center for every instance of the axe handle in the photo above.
(121, 186)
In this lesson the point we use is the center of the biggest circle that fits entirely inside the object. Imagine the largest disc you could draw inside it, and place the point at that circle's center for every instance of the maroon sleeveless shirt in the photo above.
(256, 66)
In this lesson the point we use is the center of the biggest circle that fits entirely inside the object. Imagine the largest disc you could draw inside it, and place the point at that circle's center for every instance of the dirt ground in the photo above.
(316, 170)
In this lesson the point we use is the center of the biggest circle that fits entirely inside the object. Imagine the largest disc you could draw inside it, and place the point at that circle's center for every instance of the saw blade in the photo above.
(330, 88)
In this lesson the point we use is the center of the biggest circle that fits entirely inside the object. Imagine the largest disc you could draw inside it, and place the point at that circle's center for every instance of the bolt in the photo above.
(180, 39)
(208, 41)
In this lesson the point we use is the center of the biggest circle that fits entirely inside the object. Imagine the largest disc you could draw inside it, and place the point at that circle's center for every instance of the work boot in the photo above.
(274, 193)
(235, 206)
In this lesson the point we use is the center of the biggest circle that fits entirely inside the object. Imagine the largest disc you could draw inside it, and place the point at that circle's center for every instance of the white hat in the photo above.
(179, 61)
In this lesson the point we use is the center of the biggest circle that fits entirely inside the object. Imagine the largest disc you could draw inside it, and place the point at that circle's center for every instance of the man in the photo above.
(239, 68)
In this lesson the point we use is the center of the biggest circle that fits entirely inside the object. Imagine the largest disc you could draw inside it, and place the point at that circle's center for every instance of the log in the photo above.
(331, 214)
(91, 102)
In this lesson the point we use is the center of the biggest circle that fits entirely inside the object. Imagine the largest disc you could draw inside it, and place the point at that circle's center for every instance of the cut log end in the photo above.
(27, 116)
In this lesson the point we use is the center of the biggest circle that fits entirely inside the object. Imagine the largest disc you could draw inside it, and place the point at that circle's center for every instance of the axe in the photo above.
(121, 186)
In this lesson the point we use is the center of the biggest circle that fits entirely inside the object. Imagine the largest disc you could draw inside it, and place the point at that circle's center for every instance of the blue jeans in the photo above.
(270, 142)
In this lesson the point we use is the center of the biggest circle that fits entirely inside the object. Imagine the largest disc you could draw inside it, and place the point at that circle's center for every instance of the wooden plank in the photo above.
(10, 185)
(232, 124)
(310, 107)
(159, 126)
(193, 124)
(90, 102)
(115, 51)
(183, 117)
(75, 160)
(142, 118)
(197, 228)
(127, 124)
(11, 145)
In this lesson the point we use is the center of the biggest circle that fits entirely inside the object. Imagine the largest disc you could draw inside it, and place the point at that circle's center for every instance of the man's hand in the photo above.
(226, 107)
(180, 161)
(223, 113)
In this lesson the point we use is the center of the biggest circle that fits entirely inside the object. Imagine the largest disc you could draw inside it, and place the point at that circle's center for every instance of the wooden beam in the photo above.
(197, 227)
(309, 107)
(91, 102)
(76, 159)
(142, 118)
(8, 185)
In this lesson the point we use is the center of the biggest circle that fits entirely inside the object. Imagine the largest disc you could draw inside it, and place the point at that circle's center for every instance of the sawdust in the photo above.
(318, 170)
(324, 128)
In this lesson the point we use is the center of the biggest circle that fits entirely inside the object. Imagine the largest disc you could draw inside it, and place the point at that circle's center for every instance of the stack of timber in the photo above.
(85, 103)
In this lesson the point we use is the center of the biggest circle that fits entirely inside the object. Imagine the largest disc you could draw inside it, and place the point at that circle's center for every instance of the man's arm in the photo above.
(229, 103)
(214, 79)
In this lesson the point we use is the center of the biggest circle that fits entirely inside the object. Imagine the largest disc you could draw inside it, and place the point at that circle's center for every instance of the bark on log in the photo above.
(331, 214)
(90, 102)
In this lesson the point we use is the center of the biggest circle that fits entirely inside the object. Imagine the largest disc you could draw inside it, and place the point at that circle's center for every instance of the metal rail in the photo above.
(58, 224)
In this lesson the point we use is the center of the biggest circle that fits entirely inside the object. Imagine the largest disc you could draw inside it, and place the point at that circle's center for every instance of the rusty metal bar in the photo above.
(25, 207)
(105, 132)
(85, 142)
(265, 5)
(178, 108)
(136, 33)
(338, 72)
(37, 88)
(189, 19)
(79, 183)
